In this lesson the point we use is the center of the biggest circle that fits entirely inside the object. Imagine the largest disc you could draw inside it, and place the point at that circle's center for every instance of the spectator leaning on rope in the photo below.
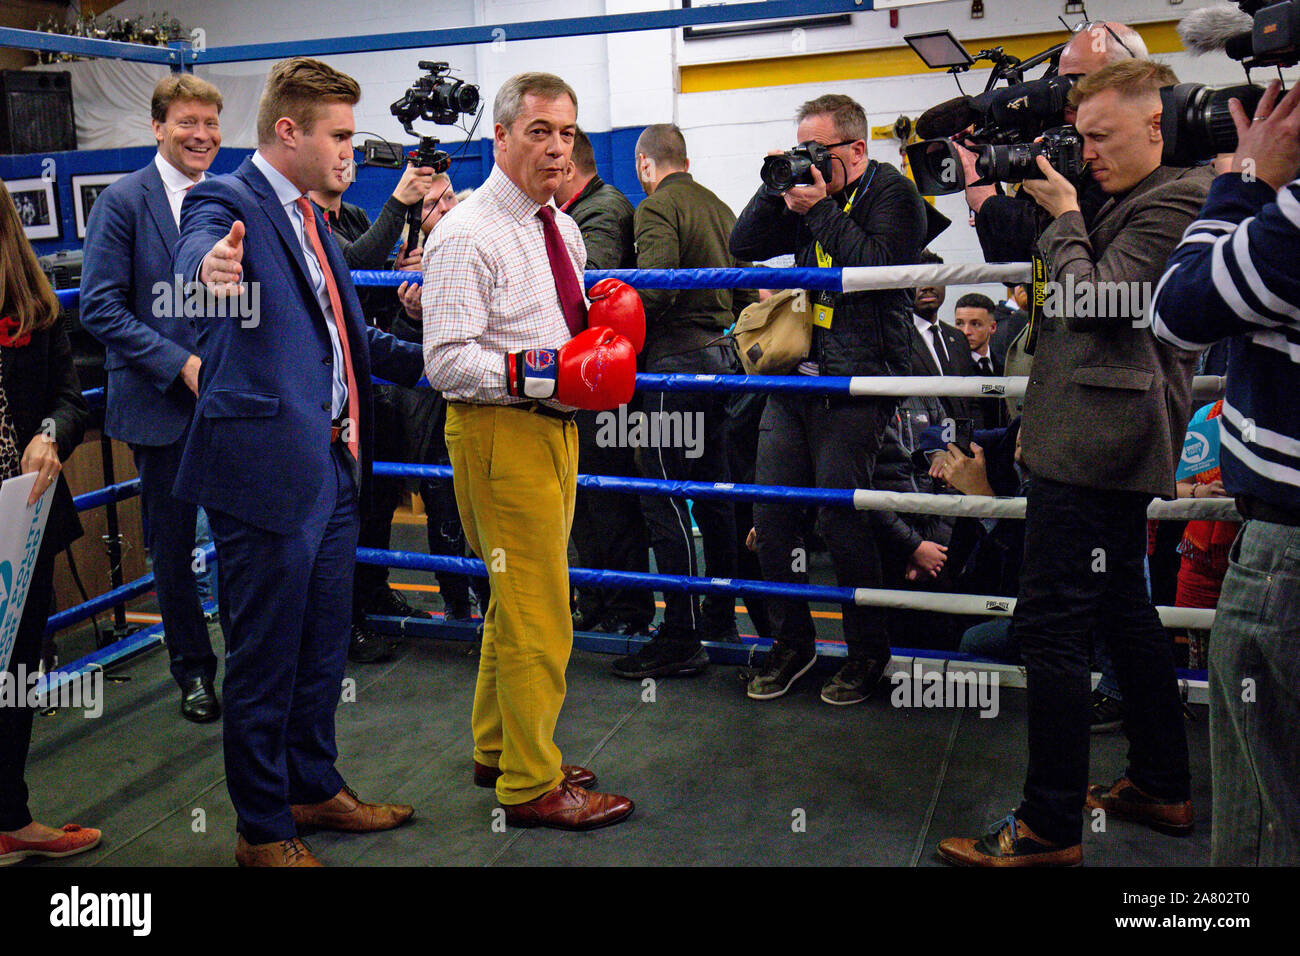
(1234, 277)
(1105, 414)
(867, 214)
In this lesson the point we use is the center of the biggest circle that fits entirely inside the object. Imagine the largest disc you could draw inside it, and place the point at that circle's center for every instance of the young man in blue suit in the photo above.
(152, 360)
(278, 454)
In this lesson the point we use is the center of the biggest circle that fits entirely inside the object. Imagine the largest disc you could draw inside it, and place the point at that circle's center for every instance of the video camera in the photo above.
(1195, 123)
(435, 97)
(998, 124)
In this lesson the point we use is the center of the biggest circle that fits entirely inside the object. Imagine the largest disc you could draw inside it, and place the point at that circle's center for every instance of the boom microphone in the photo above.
(1212, 29)
(947, 119)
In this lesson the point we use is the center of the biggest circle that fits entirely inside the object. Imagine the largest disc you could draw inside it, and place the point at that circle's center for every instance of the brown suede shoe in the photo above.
(578, 776)
(1124, 800)
(570, 808)
(1010, 843)
(293, 852)
(345, 812)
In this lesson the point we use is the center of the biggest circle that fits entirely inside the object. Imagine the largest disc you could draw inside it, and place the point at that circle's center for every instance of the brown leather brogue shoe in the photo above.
(1009, 843)
(293, 852)
(570, 808)
(1125, 800)
(578, 776)
(345, 812)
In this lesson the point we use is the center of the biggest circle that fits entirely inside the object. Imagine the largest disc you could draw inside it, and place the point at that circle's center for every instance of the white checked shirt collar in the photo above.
(506, 194)
(176, 183)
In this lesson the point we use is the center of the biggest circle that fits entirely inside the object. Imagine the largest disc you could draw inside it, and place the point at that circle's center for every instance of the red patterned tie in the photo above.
(336, 304)
(566, 282)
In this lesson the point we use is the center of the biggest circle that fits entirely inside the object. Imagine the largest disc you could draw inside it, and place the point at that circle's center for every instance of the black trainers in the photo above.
(368, 647)
(388, 603)
(854, 683)
(669, 653)
(1107, 713)
(726, 633)
(460, 610)
(784, 665)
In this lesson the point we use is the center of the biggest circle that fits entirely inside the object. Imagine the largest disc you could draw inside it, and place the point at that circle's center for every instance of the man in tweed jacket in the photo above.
(1104, 418)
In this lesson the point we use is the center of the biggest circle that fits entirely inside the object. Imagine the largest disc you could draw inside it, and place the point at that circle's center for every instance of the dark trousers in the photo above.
(704, 458)
(16, 722)
(169, 532)
(744, 412)
(285, 606)
(609, 530)
(804, 442)
(1083, 571)
(444, 535)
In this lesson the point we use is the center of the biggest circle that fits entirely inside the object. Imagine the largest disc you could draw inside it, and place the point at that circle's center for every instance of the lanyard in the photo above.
(823, 257)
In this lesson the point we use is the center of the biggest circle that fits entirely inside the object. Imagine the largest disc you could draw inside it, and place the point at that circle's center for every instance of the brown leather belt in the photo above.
(537, 408)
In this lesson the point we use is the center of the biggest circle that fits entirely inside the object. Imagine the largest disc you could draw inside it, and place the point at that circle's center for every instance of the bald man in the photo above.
(1007, 226)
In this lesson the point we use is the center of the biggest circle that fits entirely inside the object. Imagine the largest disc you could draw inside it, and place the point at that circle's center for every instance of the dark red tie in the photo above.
(566, 281)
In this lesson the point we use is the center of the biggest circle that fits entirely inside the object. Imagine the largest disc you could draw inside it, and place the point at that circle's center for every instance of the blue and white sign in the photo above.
(1200, 449)
(21, 530)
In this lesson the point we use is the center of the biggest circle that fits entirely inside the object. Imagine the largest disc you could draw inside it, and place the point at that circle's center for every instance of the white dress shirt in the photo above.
(176, 183)
(288, 194)
(927, 337)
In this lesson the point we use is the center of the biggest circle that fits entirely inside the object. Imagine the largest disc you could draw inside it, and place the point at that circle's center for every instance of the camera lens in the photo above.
(1195, 121)
(782, 172)
(1009, 164)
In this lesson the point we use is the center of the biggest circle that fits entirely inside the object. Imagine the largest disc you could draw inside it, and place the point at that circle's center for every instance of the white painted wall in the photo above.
(629, 79)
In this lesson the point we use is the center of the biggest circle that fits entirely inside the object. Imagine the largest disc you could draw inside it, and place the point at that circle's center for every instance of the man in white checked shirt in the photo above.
(501, 279)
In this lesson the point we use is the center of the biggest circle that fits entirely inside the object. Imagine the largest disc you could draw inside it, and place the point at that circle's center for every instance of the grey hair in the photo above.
(510, 98)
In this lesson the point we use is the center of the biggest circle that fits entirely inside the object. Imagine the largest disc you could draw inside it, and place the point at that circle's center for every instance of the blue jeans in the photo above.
(994, 639)
(1255, 701)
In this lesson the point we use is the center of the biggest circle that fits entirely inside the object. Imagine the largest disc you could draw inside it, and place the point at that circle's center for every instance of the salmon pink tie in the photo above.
(336, 305)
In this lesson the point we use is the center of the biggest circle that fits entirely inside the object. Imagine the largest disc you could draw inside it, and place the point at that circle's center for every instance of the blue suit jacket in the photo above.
(128, 250)
(260, 445)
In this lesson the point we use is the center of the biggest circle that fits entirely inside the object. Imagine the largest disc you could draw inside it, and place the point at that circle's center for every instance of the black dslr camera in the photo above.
(794, 167)
(1063, 147)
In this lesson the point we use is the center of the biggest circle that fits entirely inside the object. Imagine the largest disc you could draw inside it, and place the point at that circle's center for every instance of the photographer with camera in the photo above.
(1007, 226)
(1233, 277)
(1105, 414)
(847, 210)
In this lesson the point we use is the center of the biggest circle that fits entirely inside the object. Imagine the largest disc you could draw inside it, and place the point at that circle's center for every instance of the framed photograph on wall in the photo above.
(85, 190)
(751, 27)
(38, 210)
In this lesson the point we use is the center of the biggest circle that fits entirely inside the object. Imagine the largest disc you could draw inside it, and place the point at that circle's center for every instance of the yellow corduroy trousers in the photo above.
(515, 476)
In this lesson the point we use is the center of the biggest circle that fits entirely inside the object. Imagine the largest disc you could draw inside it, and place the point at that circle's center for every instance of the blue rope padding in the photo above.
(618, 579)
(118, 492)
(803, 278)
(799, 384)
(842, 497)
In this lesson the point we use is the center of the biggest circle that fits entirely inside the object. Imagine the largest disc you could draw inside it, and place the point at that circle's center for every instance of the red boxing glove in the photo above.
(615, 305)
(595, 370)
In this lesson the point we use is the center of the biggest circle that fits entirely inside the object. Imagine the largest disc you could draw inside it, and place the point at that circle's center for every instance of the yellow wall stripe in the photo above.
(887, 61)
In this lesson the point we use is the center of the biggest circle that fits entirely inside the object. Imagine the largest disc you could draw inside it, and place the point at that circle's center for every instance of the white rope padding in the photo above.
(1204, 387)
(992, 605)
(981, 506)
(868, 278)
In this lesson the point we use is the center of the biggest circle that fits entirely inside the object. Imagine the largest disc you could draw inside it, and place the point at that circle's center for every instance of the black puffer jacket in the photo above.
(885, 227)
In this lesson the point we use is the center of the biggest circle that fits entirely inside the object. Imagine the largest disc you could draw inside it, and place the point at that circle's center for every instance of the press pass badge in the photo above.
(823, 310)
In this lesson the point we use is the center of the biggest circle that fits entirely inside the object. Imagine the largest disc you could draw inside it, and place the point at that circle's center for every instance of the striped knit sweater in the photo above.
(1236, 275)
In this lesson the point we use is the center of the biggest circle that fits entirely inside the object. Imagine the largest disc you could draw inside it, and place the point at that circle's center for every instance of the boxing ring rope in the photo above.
(832, 279)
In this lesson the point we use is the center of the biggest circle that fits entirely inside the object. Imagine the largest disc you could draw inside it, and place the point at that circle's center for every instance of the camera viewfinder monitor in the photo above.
(940, 50)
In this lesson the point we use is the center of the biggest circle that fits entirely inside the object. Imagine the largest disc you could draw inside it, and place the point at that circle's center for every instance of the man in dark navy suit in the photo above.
(128, 303)
(279, 450)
